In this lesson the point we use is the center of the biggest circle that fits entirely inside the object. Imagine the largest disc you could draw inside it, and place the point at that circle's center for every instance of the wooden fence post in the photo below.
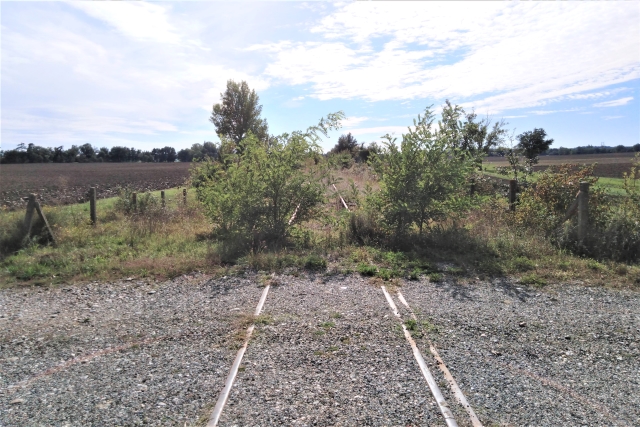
(162, 198)
(134, 201)
(184, 196)
(92, 205)
(44, 220)
(513, 185)
(583, 210)
(34, 206)
(472, 188)
(31, 207)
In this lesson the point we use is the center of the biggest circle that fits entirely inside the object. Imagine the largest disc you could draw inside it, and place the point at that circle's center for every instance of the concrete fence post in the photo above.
(513, 185)
(583, 210)
(162, 198)
(92, 205)
(472, 188)
(184, 196)
(134, 201)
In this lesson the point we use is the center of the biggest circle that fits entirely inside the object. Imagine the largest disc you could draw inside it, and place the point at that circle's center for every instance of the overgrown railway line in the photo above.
(325, 350)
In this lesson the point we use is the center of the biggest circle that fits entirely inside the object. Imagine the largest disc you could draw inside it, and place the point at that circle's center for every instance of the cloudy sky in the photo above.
(146, 74)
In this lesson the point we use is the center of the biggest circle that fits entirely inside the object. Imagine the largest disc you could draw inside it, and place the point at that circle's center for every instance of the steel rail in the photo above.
(341, 199)
(435, 390)
(224, 395)
(452, 382)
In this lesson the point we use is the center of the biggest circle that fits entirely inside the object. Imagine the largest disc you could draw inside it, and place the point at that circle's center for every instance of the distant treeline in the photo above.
(588, 149)
(87, 153)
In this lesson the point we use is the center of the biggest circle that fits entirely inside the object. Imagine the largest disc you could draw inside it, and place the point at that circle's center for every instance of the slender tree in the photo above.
(239, 113)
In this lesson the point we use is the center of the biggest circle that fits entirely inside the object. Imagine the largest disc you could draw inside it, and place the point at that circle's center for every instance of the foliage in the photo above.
(532, 143)
(470, 136)
(421, 179)
(145, 202)
(632, 180)
(345, 143)
(239, 114)
(367, 269)
(251, 195)
(198, 152)
(545, 205)
(315, 263)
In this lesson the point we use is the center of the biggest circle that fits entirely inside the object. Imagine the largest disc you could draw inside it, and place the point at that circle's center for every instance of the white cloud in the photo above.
(612, 117)
(615, 102)
(546, 112)
(396, 131)
(350, 122)
(495, 56)
(138, 20)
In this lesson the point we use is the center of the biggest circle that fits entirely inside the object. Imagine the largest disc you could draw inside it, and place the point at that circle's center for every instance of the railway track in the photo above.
(420, 368)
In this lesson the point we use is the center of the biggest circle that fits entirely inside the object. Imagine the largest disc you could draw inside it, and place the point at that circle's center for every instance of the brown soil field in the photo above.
(65, 183)
(608, 165)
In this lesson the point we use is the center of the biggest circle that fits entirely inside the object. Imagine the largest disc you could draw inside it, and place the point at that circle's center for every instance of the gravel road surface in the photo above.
(327, 350)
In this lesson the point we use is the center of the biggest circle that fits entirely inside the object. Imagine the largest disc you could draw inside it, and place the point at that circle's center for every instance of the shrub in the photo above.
(435, 277)
(251, 194)
(614, 227)
(533, 280)
(420, 179)
(367, 269)
(145, 202)
(363, 228)
(544, 205)
(315, 263)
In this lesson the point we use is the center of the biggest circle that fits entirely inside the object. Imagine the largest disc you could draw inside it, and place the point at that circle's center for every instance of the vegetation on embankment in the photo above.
(411, 214)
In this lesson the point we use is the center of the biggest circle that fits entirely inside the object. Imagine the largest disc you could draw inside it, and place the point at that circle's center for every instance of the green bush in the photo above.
(146, 202)
(435, 277)
(422, 179)
(251, 194)
(614, 225)
(367, 269)
(315, 263)
(363, 228)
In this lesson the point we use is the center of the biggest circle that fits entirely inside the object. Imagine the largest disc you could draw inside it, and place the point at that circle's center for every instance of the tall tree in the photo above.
(239, 113)
(473, 136)
(532, 143)
(345, 143)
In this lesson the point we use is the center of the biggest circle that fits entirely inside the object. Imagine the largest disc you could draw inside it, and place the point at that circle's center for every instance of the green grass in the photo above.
(611, 186)
(164, 244)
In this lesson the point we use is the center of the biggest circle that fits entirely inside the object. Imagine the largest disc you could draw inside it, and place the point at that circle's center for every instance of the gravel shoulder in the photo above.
(327, 350)
(125, 353)
(566, 355)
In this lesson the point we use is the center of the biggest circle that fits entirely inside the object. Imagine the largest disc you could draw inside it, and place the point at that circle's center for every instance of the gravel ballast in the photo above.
(123, 353)
(327, 350)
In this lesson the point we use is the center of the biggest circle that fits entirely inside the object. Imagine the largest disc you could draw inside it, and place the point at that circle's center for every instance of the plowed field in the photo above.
(607, 165)
(65, 183)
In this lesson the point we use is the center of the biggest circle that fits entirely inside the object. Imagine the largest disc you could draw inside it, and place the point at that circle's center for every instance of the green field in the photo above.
(611, 186)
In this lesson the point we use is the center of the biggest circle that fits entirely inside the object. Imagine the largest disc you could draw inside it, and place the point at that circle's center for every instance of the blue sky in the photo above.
(146, 74)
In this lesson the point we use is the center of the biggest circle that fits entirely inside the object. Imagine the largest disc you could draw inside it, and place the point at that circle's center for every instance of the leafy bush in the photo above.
(367, 269)
(251, 195)
(363, 228)
(614, 224)
(145, 202)
(544, 205)
(422, 179)
(315, 263)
